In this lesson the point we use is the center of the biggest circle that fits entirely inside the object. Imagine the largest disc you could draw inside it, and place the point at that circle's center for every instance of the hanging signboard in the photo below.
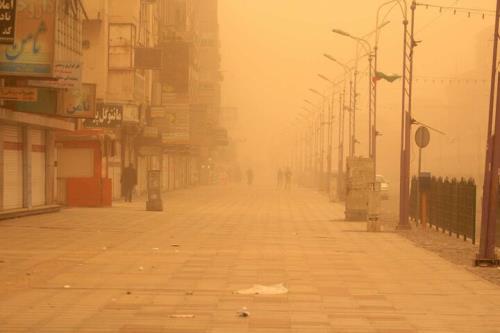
(130, 113)
(7, 21)
(175, 127)
(107, 116)
(78, 103)
(66, 76)
(157, 112)
(24, 94)
(175, 66)
(32, 52)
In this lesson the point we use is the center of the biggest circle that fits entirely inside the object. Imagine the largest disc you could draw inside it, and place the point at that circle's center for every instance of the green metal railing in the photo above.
(451, 206)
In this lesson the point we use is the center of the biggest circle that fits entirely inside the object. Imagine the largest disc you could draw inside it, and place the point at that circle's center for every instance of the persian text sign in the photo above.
(107, 116)
(78, 103)
(175, 128)
(66, 76)
(32, 53)
(19, 94)
(7, 21)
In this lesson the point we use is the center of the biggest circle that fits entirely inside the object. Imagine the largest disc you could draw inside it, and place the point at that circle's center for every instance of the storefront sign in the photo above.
(66, 76)
(45, 103)
(150, 150)
(18, 93)
(150, 132)
(78, 103)
(32, 53)
(107, 116)
(157, 112)
(7, 21)
(175, 129)
(130, 113)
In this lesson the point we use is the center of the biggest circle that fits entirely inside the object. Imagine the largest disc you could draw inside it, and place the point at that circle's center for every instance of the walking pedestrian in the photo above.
(288, 179)
(280, 178)
(249, 177)
(128, 181)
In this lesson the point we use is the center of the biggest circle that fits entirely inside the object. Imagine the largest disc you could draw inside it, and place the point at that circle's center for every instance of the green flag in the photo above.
(382, 76)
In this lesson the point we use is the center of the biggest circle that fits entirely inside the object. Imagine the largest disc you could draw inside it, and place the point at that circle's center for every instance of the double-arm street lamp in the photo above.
(319, 137)
(350, 105)
(341, 131)
(371, 85)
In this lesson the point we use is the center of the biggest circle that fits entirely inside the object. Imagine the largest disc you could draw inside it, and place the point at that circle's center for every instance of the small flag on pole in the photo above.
(382, 76)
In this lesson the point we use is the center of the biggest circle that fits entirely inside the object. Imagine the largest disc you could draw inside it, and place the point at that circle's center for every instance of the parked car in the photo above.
(384, 187)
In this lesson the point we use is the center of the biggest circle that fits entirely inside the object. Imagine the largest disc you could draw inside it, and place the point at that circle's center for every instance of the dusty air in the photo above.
(263, 166)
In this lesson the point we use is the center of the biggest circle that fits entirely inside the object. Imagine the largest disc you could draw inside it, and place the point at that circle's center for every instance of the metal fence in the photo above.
(451, 206)
(498, 220)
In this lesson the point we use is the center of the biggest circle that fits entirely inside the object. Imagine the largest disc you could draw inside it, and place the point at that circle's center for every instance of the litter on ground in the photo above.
(257, 289)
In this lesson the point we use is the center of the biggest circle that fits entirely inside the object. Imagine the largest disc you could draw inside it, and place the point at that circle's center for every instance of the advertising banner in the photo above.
(24, 94)
(107, 116)
(78, 103)
(7, 21)
(175, 126)
(32, 53)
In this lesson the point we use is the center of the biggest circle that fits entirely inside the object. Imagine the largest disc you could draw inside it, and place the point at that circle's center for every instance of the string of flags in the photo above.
(470, 12)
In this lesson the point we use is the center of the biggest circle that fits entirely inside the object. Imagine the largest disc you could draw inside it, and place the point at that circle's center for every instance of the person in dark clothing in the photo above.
(128, 181)
(280, 178)
(288, 179)
(249, 176)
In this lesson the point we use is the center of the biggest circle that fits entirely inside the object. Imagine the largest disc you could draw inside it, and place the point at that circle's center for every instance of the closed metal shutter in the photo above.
(115, 173)
(13, 167)
(38, 167)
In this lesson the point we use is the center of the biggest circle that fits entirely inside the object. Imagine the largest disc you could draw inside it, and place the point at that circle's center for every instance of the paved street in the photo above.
(127, 270)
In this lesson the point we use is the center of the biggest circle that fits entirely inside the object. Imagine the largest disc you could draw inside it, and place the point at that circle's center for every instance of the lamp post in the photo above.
(323, 122)
(330, 127)
(316, 138)
(349, 107)
(368, 48)
(487, 255)
(320, 139)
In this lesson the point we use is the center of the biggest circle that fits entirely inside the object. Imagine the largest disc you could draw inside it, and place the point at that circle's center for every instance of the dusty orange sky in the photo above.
(272, 52)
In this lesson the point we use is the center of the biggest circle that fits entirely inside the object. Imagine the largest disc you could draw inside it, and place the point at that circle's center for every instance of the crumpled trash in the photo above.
(257, 289)
(182, 316)
(243, 312)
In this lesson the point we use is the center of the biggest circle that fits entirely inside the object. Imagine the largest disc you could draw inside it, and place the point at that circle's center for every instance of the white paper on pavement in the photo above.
(257, 289)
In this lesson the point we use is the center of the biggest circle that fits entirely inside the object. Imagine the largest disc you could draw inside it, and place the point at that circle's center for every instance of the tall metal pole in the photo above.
(370, 108)
(330, 141)
(405, 149)
(340, 169)
(486, 253)
(353, 111)
(374, 132)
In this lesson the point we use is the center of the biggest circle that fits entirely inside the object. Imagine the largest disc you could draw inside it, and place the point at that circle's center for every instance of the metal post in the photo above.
(370, 108)
(405, 149)
(350, 117)
(374, 130)
(354, 105)
(486, 253)
(340, 169)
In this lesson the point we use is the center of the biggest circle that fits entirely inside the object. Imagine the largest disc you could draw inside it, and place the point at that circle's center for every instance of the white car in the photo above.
(384, 187)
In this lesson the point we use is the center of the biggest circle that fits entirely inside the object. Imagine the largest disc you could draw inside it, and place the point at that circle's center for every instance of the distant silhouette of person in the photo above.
(288, 179)
(280, 178)
(128, 181)
(249, 176)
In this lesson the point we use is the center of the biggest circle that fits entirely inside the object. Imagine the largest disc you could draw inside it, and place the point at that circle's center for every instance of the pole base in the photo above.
(403, 227)
(483, 262)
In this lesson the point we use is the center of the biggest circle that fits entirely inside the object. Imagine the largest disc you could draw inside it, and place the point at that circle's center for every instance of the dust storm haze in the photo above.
(272, 51)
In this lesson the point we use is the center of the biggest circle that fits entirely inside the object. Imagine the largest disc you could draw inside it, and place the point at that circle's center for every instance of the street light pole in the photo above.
(486, 255)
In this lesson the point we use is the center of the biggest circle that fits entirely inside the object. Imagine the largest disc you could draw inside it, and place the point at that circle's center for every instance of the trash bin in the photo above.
(155, 202)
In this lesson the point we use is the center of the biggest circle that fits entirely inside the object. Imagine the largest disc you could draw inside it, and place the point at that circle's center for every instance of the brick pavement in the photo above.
(126, 270)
